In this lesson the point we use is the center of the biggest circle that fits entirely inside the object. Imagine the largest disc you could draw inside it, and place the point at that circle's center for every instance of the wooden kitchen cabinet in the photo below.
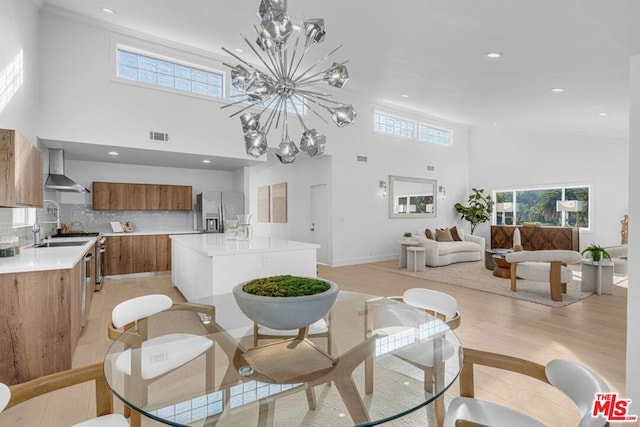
(137, 254)
(128, 196)
(41, 321)
(21, 181)
(118, 255)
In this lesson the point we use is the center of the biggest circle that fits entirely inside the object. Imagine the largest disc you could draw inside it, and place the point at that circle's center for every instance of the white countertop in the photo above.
(148, 233)
(38, 259)
(215, 244)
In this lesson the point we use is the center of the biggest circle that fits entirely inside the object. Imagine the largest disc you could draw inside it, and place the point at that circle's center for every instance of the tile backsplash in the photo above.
(90, 220)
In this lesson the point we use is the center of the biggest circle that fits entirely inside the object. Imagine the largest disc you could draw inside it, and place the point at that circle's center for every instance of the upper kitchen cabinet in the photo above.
(21, 182)
(126, 196)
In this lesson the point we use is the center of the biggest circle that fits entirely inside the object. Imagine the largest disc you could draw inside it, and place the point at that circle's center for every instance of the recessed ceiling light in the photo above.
(296, 27)
(240, 50)
(113, 153)
(558, 89)
(603, 114)
(404, 95)
(107, 10)
(206, 161)
(494, 55)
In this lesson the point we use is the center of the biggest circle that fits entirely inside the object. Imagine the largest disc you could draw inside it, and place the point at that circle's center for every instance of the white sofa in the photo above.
(471, 248)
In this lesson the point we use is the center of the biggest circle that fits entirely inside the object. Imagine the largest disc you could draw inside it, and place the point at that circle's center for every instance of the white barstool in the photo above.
(416, 258)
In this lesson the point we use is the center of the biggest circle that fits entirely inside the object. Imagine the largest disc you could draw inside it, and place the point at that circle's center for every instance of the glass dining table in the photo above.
(199, 364)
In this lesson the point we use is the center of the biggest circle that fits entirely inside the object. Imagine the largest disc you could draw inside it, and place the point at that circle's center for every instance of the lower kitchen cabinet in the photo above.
(41, 322)
(137, 254)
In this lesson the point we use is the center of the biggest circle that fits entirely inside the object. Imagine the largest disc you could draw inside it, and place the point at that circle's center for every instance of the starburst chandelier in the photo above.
(282, 88)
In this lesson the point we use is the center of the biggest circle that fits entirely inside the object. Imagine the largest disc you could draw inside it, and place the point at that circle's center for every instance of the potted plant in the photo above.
(407, 235)
(479, 209)
(596, 252)
(286, 302)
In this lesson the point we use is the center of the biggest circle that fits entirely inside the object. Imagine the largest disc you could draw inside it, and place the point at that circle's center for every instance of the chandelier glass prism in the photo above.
(273, 95)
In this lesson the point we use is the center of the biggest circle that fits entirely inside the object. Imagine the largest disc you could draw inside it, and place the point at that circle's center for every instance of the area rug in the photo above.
(474, 275)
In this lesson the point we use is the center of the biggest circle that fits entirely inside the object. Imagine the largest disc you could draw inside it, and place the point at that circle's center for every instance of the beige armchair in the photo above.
(544, 266)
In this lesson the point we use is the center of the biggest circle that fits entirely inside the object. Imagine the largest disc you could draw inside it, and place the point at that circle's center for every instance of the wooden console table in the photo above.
(535, 238)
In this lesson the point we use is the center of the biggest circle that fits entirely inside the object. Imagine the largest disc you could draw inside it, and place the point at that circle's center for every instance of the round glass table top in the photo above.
(204, 362)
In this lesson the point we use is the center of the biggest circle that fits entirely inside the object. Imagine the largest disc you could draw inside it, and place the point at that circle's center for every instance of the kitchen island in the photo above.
(208, 264)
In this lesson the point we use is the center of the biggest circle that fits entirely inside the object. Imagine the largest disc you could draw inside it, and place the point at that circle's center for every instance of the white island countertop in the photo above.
(203, 265)
(39, 259)
(215, 244)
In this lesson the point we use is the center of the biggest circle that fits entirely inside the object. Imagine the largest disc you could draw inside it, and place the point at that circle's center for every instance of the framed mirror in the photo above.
(412, 197)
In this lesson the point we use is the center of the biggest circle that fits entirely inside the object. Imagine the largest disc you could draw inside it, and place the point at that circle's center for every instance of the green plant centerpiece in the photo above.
(596, 252)
(479, 209)
(285, 302)
(407, 235)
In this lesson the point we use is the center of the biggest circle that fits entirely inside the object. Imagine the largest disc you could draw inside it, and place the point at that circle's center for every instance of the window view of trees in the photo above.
(539, 207)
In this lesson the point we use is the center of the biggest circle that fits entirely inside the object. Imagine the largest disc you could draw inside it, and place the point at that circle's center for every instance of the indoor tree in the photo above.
(479, 208)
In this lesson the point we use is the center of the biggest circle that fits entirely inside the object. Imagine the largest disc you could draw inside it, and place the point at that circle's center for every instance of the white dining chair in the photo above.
(126, 315)
(577, 382)
(5, 395)
(134, 309)
(59, 380)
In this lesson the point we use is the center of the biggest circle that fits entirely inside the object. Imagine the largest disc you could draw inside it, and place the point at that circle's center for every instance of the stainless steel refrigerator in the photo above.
(213, 208)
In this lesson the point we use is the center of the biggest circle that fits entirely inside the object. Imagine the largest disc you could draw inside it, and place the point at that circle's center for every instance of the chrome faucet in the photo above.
(57, 213)
(36, 234)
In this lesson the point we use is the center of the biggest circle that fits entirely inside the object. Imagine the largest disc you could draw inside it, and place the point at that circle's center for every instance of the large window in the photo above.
(557, 206)
(403, 127)
(165, 73)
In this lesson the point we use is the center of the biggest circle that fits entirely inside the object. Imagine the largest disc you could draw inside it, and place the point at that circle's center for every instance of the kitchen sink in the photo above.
(59, 244)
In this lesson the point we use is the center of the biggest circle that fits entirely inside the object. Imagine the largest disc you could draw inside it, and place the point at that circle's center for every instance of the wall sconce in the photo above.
(442, 192)
(383, 188)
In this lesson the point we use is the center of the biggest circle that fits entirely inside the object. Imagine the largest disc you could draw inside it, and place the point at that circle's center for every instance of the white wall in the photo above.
(633, 295)
(508, 158)
(19, 33)
(299, 176)
(100, 110)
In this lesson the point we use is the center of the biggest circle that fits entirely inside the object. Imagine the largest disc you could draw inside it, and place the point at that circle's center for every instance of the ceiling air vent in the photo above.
(362, 159)
(159, 137)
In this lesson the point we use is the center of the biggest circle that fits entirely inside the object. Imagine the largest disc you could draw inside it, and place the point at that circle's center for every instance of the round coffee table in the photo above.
(502, 268)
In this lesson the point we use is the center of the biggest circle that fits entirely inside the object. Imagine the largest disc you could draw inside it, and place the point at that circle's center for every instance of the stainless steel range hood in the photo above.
(57, 180)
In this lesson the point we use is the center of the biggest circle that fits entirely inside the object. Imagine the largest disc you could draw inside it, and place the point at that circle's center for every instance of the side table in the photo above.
(404, 244)
(416, 258)
(597, 277)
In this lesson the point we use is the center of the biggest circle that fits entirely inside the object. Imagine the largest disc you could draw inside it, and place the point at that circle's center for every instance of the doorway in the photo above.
(319, 226)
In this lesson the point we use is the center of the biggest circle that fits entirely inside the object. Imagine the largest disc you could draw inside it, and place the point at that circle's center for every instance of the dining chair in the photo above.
(444, 307)
(20, 393)
(577, 382)
(126, 315)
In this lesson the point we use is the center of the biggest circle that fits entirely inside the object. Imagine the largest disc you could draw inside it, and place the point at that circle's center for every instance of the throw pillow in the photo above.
(443, 235)
(428, 233)
(454, 234)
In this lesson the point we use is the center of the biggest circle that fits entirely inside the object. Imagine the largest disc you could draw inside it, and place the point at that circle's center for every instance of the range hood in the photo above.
(57, 180)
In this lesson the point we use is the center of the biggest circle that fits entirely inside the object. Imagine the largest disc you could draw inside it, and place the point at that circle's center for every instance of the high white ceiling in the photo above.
(433, 51)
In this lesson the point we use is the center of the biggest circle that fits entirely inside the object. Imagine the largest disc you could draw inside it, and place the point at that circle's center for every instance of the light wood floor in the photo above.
(591, 332)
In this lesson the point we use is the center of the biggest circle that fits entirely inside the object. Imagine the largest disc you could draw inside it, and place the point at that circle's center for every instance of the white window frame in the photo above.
(116, 46)
(393, 116)
(562, 187)
(23, 217)
(416, 128)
